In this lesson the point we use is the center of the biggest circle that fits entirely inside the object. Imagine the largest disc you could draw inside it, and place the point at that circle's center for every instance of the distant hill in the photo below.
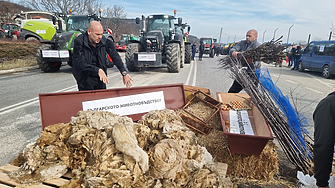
(8, 10)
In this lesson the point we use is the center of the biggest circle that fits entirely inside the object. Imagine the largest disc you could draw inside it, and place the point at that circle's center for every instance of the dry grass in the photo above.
(17, 54)
(17, 63)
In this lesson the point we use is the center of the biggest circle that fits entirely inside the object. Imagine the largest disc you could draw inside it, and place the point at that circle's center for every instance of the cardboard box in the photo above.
(241, 143)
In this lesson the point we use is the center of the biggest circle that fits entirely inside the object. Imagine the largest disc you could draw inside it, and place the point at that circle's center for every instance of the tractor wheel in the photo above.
(130, 61)
(211, 53)
(46, 66)
(182, 56)
(2, 35)
(188, 53)
(173, 57)
(32, 39)
(70, 62)
(14, 38)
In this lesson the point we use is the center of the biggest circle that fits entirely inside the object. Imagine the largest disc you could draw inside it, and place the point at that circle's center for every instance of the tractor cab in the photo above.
(9, 30)
(80, 22)
(164, 23)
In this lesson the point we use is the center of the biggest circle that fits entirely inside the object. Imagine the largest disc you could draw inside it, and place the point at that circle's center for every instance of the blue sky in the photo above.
(207, 17)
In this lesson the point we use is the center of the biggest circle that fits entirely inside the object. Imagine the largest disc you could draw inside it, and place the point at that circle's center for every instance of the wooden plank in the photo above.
(222, 168)
(58, 182)
(8, 168)
(5, 180)
(4, 186)
(68, 174)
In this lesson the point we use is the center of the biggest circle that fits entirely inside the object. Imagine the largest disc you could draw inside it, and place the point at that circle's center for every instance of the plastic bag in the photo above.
(310, 182)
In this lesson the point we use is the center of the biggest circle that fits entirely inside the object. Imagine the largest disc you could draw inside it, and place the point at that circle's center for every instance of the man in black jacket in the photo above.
(201, 50)
(244, 45)
(90, 59)
(324, 139)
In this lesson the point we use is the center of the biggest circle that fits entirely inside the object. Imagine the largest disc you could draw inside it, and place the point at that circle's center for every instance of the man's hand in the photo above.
(103, 76)
(127, 81)
(234, 54)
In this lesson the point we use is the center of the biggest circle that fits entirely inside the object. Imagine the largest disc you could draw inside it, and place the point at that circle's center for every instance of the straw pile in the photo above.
(264, 167)
(106, 150)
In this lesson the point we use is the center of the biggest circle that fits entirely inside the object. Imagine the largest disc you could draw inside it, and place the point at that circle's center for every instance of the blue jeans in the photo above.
(296, 62)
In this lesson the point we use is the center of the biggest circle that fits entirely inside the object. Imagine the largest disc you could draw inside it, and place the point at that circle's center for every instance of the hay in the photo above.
(106, 150)
(264, 167)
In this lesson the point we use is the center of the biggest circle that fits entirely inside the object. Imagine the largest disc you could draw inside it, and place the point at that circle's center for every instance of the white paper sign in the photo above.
(41, 32)
(64, 53)
(240, 122)
(50, 53)
(146, 57)
(128, 105)
(322, 48)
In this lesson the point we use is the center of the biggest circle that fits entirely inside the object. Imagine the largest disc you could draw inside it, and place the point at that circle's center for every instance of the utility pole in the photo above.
(330, 35)
(220, 36)
(309, 38)
(288, 35)
(274, 34)
(263, 36)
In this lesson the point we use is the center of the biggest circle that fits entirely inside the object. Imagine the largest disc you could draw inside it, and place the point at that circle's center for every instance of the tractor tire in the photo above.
(46, 66)
(130, 61)
(188, 53)
(32, 39)
(173, 58)
(70, 62)
(14, 38)
(2, 35)
(182, 56)
(211, 53)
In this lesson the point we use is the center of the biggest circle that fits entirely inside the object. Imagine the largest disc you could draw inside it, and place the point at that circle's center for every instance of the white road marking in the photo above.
(314, 90)
(324, 83)
(292, 82)
(195, 73)
(30, 101)
(189, 73)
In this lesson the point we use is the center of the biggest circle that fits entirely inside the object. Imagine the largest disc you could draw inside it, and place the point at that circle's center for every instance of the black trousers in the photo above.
(92, 83)
(235, 88)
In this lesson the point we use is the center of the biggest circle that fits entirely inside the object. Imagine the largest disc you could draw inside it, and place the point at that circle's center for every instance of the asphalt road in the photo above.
(20, 121)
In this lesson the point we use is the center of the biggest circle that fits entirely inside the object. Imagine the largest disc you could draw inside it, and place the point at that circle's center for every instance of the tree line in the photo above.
(112, 16)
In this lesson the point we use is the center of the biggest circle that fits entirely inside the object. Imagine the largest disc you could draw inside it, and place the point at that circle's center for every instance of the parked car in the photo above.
(319, 56)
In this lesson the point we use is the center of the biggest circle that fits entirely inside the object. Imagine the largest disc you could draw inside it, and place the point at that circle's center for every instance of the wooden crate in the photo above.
(6, 182)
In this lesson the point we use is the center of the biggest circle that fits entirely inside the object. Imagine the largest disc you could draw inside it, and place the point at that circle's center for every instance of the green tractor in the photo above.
(59, 49)
(159, 45)
(124, 41)
(188, 46)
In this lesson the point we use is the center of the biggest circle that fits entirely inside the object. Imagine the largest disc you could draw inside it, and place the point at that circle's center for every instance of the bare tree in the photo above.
(113, 19)
(64, 6)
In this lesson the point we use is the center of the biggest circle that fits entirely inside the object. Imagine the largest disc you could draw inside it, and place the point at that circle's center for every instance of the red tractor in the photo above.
(9, 30)
(209, 46)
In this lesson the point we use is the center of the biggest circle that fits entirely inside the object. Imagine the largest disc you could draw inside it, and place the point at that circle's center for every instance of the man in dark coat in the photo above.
(194, 50)
(297, 56)
(201, 50)
(90, 59)
(324, 139)
(250, 42)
